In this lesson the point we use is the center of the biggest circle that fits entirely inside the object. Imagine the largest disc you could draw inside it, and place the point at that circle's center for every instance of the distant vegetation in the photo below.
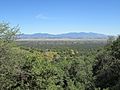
(57, 65)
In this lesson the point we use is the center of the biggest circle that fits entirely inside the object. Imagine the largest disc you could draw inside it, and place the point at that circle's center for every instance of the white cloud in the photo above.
(41, 16)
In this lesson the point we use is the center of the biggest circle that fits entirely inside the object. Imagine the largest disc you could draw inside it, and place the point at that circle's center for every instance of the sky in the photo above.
(62, 16)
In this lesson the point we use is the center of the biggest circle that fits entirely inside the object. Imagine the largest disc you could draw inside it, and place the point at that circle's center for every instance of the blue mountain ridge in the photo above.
(72, 35)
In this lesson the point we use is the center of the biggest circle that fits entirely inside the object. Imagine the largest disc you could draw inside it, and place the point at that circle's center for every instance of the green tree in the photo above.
(7, 32)
(107, 67)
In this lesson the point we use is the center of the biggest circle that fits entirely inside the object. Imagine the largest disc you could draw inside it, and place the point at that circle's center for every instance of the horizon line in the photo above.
(70, 32)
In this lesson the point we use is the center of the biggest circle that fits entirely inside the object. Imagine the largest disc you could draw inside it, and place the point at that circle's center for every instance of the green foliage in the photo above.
(30, 69)
(107, 67)
(48, 67)
(7, 33)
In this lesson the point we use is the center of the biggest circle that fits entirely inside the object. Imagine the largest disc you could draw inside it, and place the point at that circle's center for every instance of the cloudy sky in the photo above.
(62, 16)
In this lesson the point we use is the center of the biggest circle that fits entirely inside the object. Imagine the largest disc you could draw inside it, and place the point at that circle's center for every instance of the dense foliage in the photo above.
(107, 67)
(75, 66)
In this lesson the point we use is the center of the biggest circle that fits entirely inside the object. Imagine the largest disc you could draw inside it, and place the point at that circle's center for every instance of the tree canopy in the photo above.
(107, 67)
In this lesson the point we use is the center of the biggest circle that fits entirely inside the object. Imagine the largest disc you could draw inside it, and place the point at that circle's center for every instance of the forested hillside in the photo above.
(25, 67)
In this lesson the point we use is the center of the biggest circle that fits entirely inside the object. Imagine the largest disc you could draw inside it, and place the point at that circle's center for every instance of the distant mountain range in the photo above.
(72, 35)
